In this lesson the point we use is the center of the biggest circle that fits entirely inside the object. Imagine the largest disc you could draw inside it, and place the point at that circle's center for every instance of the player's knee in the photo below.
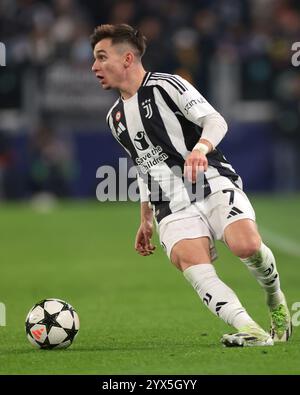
(245, 248)
(183, 264)
(181, 261)
(189, 252)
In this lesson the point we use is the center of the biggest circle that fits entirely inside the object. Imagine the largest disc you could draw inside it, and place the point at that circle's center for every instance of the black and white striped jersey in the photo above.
(158, 127)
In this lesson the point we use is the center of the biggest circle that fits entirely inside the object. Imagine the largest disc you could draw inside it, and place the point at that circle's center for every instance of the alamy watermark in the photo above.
(296, 315)
(296, 56)
(122, 185)
(2, 54)
(2, 314)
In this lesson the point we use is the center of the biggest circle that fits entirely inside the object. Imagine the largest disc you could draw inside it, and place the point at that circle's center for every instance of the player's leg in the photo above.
(188, 245)
(192, 257)
(243, 239)
(245, 242)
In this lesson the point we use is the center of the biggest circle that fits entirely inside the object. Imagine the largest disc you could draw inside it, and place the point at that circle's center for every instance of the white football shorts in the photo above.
(206, 218)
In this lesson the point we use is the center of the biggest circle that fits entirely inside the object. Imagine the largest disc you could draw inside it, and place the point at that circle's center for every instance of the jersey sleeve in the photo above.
(188, 99)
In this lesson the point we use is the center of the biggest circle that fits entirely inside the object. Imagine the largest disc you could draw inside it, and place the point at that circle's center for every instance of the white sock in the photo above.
(218, 297)
(263, 266)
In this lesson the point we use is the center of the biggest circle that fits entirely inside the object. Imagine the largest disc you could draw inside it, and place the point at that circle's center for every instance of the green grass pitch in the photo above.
(138, 314)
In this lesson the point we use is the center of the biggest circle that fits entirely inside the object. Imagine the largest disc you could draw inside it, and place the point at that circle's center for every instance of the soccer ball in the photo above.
(51, 323)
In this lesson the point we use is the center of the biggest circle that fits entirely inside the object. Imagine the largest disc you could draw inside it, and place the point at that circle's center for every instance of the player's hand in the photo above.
(143, 244)
(195, 163)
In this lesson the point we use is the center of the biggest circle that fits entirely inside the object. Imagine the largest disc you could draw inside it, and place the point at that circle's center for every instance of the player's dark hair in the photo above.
(120, 33)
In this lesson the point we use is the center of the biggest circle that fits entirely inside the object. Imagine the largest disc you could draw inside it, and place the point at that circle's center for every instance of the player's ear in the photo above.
(128, 60)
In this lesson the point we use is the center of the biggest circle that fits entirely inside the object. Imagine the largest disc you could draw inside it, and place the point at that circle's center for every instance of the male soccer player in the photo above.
(171, 133)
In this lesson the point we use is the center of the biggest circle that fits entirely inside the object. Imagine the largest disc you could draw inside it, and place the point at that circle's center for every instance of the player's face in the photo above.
(109, 64)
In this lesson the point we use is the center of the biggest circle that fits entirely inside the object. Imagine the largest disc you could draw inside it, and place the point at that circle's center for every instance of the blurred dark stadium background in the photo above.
(53, 135)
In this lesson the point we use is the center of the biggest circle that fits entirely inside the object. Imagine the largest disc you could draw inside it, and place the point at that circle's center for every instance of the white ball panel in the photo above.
(56, 335)
(76, 319)
(33, 342)
(35, 315)
(65, 319)
(53, 306)
(39, 332)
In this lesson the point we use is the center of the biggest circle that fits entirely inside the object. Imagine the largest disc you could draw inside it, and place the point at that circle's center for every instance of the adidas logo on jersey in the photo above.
(234, 211)
(120, 129)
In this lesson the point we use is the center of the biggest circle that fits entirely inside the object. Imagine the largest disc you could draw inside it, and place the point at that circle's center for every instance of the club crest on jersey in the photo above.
(140, 141)
(118, 116)
(147, 106)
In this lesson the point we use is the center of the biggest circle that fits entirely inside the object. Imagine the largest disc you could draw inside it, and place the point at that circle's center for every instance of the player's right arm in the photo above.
(143, 243)
(143, 237)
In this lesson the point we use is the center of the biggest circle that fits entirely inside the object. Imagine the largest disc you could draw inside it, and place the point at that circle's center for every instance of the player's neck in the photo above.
(133, 82)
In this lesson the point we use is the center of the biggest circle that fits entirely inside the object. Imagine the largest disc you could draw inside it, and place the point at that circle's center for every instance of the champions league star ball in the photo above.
(52, 323)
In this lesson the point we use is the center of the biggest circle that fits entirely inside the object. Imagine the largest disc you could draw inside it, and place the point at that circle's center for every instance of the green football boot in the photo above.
(281, 326)
(249, 336)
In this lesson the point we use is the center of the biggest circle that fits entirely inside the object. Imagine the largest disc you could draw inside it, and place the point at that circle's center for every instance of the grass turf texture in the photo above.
(138, 314)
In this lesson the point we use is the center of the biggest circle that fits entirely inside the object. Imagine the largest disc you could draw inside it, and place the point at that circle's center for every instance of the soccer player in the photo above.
(171, 133)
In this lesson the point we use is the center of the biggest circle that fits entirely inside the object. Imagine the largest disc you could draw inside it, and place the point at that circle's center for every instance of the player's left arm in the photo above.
(214, 127)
